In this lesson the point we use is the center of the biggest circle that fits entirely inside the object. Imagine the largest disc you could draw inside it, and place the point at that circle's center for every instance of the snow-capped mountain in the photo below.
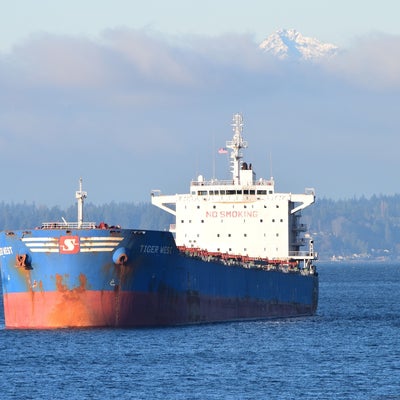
(292, 45)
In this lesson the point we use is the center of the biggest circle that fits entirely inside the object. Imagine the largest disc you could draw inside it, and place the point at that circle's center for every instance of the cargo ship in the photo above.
(237, 251)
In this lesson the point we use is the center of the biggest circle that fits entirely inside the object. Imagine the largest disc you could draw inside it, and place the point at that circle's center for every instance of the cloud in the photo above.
(133, 59)
(149, 56)
(138, 59)
(60, 61)
(373, 61)
(144, 110)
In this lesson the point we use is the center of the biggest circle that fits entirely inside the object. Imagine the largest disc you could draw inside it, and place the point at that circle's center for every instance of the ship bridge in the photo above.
(240, 216)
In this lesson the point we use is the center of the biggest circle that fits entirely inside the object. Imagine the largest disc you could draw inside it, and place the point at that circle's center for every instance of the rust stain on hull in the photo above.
(70, 306)
(74, 309)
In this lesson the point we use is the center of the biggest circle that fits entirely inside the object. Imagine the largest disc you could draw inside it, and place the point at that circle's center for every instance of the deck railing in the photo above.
(68, 225)
(216, 182)
(302, 254)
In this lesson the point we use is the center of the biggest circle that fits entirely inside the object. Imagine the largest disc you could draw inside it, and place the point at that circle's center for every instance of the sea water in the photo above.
(349, 350)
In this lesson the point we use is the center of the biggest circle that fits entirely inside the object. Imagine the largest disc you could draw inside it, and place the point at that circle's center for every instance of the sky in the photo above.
(134, 96)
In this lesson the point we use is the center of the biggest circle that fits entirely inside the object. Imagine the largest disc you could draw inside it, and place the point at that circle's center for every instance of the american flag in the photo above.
(222, 150)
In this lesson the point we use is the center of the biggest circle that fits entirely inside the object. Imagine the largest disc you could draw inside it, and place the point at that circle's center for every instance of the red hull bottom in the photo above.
(74, 309)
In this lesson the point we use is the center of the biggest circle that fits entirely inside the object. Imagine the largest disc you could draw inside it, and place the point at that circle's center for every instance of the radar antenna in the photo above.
(236, 144)
(80, 196)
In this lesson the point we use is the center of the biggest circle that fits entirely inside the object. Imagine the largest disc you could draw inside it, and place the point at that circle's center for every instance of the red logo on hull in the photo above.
(69, 244)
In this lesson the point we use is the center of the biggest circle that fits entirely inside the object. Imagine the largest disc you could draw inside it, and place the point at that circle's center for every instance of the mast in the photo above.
(80, 196)
(236, 144)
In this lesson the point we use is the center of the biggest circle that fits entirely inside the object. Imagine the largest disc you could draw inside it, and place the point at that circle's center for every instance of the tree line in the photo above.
(356, 228)
(126, 215)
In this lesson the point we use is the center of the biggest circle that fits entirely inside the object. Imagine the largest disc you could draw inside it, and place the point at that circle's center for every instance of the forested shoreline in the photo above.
(352, 229)
(356, 229)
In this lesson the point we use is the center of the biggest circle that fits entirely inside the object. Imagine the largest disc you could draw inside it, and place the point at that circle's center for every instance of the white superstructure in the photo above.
(243, 216)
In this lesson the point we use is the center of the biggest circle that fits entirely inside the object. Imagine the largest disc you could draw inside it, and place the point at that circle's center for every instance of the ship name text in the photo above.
(153, 249)
(4, 251)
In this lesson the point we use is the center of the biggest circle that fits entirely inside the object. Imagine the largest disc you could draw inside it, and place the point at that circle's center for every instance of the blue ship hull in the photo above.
(59, 278)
